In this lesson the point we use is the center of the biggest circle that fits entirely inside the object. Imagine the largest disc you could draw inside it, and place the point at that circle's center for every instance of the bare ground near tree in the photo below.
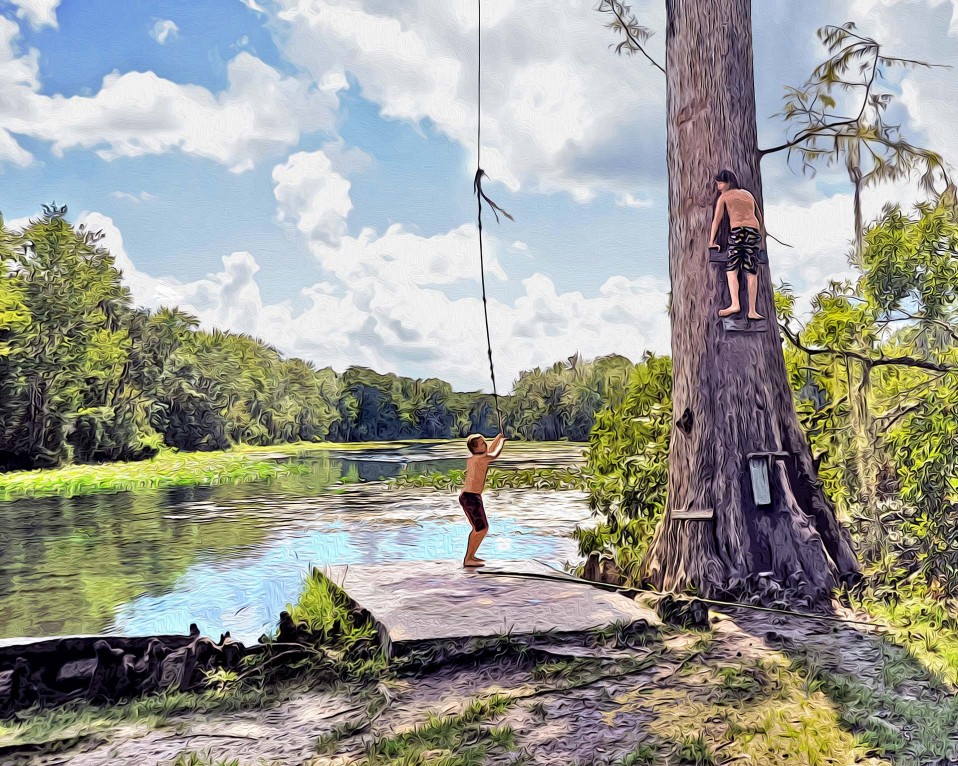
(754, 688)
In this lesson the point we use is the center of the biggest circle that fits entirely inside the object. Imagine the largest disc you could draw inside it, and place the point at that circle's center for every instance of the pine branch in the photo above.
(626, 23)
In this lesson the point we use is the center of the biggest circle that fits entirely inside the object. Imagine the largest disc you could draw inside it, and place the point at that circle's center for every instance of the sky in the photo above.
(301, 170)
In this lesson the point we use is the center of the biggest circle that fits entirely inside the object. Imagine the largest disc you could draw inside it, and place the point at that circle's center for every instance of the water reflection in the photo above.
(230, 557)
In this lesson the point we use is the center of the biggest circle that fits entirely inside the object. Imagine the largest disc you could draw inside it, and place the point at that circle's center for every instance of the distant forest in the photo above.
(85, 376)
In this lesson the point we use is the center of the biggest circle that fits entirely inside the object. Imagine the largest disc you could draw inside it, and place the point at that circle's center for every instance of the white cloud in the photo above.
(627, 200)
(420, 296)
(40, 13)
(560, 111)
(261, 113)
(871, 9)
(253, 6)
(136, 199)
(313, 195)
(819, 235)
(388, 305)
(164, 30)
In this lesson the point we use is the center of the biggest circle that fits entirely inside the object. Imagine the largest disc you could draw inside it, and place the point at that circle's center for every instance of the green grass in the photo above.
(348, 636)
(246, 463)
(168, 469)
(190, 758)
(499, 478)
(79, 720)
(923, 624)
(463, 739)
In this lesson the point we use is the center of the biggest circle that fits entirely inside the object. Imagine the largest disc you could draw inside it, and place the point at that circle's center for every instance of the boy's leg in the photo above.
(480, 536)
(733, 308)
(472, 505)
(481, 526)
(475, 538)
(752, 280)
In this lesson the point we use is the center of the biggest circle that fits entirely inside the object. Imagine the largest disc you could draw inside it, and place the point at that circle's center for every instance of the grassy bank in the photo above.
(168, 469)
(246, 463)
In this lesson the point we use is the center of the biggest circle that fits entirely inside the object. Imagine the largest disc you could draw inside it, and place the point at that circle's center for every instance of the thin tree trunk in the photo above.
(856, 174)
(730, 390)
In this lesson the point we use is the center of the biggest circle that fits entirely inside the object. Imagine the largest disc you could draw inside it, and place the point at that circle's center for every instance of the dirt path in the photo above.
(753, 689)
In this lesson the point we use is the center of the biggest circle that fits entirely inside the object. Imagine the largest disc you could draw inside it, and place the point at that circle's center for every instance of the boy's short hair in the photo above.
(472, 441)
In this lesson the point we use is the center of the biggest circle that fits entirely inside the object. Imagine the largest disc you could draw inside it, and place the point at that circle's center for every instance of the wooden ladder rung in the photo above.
(747, 325)
(693, 514)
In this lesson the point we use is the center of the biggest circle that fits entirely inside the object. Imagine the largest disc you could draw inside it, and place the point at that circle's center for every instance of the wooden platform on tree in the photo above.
(737, 324)
(418, 604)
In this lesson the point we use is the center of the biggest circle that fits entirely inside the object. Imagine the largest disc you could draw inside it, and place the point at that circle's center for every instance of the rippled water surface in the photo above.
(231, 557)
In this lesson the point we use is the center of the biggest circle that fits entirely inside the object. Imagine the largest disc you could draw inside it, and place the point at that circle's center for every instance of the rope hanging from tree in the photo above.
(480, 196)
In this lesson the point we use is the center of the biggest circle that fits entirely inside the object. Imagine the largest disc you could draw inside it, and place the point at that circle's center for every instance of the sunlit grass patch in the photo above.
(463, 739)
(326, 609)
(923, 625)
(168, 469)
(79, 720)
(719, 710)
(340, 627)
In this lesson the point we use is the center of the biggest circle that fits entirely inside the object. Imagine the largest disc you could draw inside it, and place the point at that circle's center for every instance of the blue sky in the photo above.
(302, 170)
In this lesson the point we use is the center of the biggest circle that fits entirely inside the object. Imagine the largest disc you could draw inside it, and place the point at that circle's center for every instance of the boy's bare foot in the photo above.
(727, 312)
(755, 315)
(473, 563)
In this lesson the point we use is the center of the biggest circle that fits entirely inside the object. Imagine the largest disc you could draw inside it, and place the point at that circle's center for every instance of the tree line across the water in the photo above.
(86, 376)
(874, 371)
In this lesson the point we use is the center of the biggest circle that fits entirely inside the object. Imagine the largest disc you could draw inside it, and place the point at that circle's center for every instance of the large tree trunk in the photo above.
(730, 395)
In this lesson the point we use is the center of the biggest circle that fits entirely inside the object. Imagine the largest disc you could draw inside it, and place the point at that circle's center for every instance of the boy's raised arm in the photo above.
(497, 444)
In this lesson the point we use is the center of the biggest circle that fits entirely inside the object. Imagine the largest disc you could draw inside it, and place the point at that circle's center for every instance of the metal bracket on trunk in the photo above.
(759, 467)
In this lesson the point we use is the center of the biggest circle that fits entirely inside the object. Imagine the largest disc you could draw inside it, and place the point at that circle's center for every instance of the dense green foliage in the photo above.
(628, 464)
(875, 375)
(85, 376)
(561, 401)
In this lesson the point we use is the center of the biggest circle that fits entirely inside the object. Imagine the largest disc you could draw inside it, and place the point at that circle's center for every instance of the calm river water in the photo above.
(231, 557)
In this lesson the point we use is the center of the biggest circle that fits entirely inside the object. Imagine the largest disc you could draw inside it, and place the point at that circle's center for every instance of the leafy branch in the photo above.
(625, 23)
(868, 361)
(855, 63)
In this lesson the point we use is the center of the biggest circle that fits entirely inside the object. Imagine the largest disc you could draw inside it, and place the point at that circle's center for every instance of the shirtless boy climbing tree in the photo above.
(744, 240)
(471, 498)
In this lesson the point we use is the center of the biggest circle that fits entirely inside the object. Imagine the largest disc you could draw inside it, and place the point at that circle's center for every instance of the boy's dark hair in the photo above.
(472, 441)
(727, 177)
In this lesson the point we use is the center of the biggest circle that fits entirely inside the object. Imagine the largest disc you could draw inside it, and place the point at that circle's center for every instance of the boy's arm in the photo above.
(497, 444)
(716, 219)
(761, 221)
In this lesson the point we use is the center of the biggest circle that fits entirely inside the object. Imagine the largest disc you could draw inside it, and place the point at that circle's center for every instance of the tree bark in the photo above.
(730, 389)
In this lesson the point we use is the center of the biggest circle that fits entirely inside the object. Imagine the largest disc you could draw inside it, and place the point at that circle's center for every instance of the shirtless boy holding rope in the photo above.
(471, 498)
